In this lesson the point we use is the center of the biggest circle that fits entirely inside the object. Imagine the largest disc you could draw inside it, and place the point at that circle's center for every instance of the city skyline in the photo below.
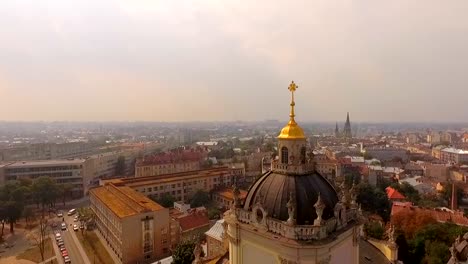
(211, 61)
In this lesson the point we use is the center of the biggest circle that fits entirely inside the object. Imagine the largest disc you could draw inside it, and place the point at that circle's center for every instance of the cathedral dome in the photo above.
(292, 131)
(273, 191)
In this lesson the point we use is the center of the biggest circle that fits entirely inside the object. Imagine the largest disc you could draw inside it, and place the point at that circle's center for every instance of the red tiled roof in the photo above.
(440, 215)
(193, 221)
(393, 194)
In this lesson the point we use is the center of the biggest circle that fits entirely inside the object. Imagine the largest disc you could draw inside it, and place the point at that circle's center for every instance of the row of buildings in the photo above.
(123, 210)
(81, 173)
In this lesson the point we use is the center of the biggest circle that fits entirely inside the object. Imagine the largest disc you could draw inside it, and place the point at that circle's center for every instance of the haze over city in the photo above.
(233, 60)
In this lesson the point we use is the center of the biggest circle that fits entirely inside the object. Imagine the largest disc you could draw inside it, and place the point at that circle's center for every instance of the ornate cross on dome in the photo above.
(292, 88)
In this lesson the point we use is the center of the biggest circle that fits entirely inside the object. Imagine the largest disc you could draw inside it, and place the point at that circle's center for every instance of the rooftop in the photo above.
(38, 163)
(227, 194)
(166, 178)
(193, 221)
(393, 194)
(123, 201)
(217, 231)
(455, 151)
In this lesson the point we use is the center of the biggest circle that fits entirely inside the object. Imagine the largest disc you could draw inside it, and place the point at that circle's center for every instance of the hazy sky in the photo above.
(173, 60)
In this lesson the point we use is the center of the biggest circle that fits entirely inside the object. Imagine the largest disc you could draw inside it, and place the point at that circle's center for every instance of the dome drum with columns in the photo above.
(293, 201)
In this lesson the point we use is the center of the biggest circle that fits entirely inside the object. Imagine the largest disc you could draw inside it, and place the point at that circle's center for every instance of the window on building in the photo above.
(284, 155)
(303, 155)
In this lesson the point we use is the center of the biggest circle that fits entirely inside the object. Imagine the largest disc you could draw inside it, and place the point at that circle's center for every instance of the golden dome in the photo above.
(292, 130)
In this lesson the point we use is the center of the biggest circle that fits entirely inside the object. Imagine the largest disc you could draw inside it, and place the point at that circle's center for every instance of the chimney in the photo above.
(454, 202)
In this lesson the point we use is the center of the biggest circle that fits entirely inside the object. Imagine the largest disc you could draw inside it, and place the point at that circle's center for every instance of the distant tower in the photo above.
(347, 128)
(337, 131)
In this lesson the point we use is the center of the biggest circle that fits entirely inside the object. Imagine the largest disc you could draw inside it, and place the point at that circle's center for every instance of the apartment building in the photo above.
(169, 162)
(48, 151)
(62, 171)
(103, 165)
(181, 185)
(387, 153)
(136, 228)
(453, 155)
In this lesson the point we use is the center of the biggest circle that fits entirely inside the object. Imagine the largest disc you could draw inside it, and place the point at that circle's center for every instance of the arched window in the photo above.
(303, 155)
(284, 155)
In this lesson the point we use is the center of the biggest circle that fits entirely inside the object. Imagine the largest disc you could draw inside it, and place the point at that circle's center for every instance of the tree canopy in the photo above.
(183, 253)
(373, 200)
(200, 198)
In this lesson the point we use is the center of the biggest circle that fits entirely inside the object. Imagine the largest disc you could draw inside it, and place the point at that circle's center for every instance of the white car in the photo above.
(75, 227)
(64, 226)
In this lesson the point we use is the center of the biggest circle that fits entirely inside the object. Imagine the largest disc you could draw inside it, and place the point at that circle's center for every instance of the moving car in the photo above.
(75, 227)
(64, 226)
(71, 212)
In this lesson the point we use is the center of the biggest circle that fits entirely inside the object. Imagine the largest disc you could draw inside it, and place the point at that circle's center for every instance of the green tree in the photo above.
(214, 213)
(45, 191)
(166, 200)
(408, 191)
(28, 213)
(183, 252)
(86, 217)
(200, 198)
(14, 210)
(373, 200)
(120, 167)
(64, 190)
(375, 230)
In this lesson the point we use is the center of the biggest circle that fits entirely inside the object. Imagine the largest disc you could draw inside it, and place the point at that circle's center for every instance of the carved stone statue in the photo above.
(453, 252)
(391, 234)
(291, 205)
(319, 206)
(236, 194)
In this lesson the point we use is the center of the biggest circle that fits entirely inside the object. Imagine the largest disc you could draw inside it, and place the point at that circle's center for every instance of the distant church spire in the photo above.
(347, 128)
(337, 131)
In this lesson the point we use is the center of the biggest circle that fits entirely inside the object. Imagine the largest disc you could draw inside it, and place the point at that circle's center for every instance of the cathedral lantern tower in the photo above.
(292, 214)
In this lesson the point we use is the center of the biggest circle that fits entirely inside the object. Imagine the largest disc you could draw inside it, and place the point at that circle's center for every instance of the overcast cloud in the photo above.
(103, 60)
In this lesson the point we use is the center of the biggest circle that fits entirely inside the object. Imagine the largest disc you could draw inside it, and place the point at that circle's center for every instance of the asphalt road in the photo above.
(70, 244)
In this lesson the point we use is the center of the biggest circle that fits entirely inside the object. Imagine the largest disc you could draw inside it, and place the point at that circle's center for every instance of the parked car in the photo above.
(61, 244)
(62, 248)
(64, 253)
(66, 259)
(60, 240)
(75, 219)
(60, 214)
(64, 226)
(75, 227)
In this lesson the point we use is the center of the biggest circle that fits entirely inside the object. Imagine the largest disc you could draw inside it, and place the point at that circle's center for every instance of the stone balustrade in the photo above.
(294, 169)
(297, 232)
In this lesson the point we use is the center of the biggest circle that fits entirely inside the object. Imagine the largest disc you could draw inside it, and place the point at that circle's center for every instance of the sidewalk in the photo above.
(104, 243)
(80, 247)
(48, 260)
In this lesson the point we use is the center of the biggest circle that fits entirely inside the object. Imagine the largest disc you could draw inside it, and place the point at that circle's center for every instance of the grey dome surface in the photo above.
(273, 191)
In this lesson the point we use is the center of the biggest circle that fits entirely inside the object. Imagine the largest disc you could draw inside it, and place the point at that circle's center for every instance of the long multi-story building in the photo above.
(48, 151)
(453, 155)
(62, 171)
(182, 185)
(169, 162)
(136, 228)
